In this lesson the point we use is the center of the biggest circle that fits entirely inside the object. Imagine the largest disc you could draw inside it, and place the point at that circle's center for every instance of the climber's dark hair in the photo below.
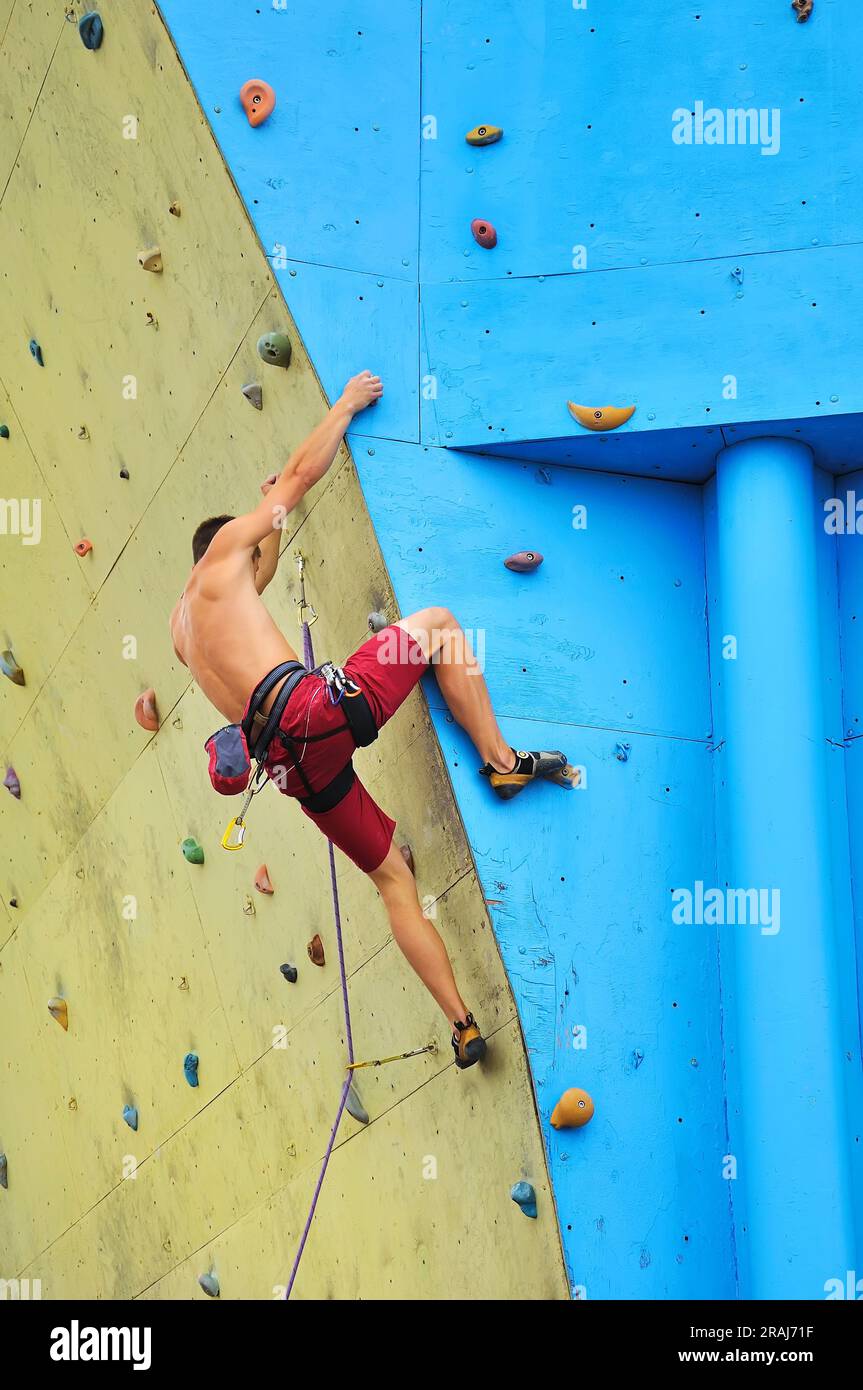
(205, 533)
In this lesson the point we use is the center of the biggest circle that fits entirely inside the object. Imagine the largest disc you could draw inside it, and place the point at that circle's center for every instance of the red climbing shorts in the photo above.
(386, 668)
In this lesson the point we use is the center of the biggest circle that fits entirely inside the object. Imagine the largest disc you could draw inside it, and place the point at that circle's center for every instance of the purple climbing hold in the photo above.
(11, 783)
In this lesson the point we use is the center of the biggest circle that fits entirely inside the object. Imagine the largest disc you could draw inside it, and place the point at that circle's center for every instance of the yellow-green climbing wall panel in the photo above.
(157, 957)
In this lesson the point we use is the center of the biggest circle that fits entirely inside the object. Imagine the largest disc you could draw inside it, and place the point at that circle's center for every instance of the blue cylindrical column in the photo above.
(790, 1123)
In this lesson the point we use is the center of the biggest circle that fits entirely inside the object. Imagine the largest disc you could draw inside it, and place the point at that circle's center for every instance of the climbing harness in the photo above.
(351, 1066)
(232, 749)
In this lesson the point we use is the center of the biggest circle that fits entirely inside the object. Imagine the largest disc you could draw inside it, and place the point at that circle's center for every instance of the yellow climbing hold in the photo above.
(484, 135)
(59, 1009)
(601, 417)
(574, 1109)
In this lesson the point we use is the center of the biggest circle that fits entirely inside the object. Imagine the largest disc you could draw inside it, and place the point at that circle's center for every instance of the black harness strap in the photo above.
(261, 729)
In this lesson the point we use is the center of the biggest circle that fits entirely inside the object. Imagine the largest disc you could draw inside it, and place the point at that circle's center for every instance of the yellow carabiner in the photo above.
(236, 825)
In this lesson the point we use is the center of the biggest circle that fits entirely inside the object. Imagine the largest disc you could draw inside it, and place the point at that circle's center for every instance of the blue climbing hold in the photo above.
(190, 1068)
(524, 1196)
(290, 973)
(210, 1284)
(623, 751)
(130, 1115)
(4, 1171)
(91, 29)
(36, 352)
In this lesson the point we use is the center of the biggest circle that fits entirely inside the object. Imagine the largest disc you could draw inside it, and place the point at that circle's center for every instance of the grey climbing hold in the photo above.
(290, 973)
(192, 851)
(190, 1068)
(623, 751)
(275, 348)
(355, 1107)
(11, 783)
(4, 431)
(377, 622)
(524, 1196)
(4, 1171)
(130, 1115)
(210, 1284)
(36, 352)
(252, 392)
(9, 666)
(91, 29)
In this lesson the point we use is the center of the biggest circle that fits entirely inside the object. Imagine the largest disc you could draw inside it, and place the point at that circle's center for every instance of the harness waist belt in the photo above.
(260, 729)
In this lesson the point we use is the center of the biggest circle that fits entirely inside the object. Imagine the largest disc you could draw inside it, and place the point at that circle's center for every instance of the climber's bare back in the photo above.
(222, 631)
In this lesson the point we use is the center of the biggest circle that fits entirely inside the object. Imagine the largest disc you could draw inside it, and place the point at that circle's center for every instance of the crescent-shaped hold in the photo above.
(601, 417)
(484, 135)
(146, 713)
(574, 1109)
(258, 100)
(524, 561)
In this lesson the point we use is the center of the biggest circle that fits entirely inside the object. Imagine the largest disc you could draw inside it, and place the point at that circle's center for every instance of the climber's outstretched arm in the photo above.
(306, 466)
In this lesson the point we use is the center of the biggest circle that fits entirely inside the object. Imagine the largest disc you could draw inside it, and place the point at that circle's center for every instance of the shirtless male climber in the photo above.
(224, 634)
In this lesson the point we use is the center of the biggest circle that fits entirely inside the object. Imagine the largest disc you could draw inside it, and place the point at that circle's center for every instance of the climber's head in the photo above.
(205, 533)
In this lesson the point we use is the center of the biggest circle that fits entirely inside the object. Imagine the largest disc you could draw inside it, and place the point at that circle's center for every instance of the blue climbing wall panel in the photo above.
(713, 286)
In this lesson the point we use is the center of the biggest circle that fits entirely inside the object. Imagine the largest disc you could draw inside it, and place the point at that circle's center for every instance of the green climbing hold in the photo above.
(4, 1171)
(4, 431)
(91, 29)
(355, 1107)
(36, 352)
(9, 666)
(275, 348)
(525, 1197)
(192, 851)
(130, 1115)
(253, 393)
(210, 1284)
(190, 1068)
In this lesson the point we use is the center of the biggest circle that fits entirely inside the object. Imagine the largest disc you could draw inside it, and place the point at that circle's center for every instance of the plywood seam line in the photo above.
(35, 103)
(598, 728)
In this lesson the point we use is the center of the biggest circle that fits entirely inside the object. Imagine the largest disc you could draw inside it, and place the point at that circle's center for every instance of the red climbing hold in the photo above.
(83, 547)
(146, 713)
(263, 882)
(258, 99)
(524, 561)
(483, 232)
(316, 950)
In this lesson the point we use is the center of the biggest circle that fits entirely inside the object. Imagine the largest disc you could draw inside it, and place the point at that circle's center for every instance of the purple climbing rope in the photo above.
(309, 661)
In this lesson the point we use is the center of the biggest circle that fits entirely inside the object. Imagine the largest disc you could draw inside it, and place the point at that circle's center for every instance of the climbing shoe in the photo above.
(468, 1044)
(552, 767)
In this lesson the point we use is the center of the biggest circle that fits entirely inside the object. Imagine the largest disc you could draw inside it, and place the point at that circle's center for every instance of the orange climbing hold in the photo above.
(83, 547)
(146, 713)
(316, 950)
(263, 882)
(602, 417)
(574, 1109)
(59, 1009)
(258, 99)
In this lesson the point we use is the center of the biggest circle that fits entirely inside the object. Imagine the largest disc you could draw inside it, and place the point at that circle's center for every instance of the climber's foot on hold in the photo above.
(468, 1044)
(528, 767)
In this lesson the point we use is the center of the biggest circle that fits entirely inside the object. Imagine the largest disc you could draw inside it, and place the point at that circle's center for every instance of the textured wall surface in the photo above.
(156, 957)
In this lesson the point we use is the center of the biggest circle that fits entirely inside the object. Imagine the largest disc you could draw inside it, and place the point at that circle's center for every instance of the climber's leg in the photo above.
(461, 681)
(415, 935)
